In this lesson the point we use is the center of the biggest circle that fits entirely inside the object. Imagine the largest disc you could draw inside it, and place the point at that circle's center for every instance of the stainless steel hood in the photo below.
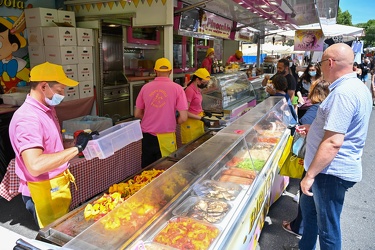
(268, 15)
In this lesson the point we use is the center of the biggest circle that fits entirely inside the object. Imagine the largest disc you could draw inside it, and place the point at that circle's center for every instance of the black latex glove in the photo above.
(206, 122)
(83, 138)
(209, 114)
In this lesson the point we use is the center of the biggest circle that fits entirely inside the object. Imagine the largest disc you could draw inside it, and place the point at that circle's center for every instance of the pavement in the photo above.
(357, 219)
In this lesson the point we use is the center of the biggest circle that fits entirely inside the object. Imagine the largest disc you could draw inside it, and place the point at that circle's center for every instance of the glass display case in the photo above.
(227, 180)
(227, 92)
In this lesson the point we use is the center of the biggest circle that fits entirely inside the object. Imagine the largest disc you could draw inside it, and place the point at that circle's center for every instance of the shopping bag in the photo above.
(289, 164)
(299, 145)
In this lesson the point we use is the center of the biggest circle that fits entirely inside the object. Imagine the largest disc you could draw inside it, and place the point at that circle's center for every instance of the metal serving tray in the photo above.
(216, 190)
(207, 210)
(208, 226)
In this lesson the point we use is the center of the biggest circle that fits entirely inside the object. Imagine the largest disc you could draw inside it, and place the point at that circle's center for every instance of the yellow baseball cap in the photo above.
(49, 72)
(239, 53)
(163, 64)
(209, 51)
(8, 22)
(203, 74)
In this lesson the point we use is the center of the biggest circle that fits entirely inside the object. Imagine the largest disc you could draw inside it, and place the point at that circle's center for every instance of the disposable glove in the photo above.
(208, 114)
(206, 122)
(83, 138)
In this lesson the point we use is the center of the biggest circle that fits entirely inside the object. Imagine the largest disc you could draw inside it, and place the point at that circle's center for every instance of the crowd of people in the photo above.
(333, 108)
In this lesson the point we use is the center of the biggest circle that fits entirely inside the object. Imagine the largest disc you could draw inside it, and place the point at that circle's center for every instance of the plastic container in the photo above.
(94, 123)
(113, 139)
(15, 99)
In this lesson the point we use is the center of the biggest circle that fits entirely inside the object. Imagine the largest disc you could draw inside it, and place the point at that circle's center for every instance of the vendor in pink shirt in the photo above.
(194, 126)
(41, 160)
(156, 106)
(208, 60)
(236, 58)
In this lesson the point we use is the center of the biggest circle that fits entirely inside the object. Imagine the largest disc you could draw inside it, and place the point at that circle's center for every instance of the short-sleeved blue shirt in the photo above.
(346, 110)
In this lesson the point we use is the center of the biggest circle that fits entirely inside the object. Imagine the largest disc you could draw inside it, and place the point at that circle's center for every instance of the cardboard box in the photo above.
(71, 71)
(62, 55)
(36, 17)
(84, 54)
(85, 72)
(64, 16)
(35, 36)
(36, 55)
(85, 37)
(71, 93)
(86, 89)
(60, 36)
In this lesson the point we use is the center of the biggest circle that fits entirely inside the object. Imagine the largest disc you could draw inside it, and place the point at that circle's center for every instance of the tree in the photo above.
(344, 18)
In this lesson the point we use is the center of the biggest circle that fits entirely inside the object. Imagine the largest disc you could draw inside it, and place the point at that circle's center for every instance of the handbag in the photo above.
(289, 164)
(299, 145)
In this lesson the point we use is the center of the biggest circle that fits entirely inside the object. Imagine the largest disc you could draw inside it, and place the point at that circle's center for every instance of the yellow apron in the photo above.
(191, 129)
(51, 197)
(167, 143)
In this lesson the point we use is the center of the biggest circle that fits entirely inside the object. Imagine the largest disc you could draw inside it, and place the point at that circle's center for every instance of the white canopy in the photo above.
(329, 30)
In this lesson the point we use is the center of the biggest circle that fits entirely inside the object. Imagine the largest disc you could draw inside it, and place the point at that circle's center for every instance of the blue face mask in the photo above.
(56, 99)
(312, 73)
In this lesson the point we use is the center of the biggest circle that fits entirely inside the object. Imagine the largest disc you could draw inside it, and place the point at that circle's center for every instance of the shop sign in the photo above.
(214, 25)
(308, 40)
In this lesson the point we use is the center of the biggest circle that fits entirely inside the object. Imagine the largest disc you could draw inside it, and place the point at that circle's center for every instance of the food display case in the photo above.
(260, 91)
(222, 189)
(229, 93)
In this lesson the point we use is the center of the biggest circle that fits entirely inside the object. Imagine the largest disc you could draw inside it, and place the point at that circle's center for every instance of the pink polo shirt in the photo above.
(233, 58)
(35, 125)
(194, 97)
(160, 99)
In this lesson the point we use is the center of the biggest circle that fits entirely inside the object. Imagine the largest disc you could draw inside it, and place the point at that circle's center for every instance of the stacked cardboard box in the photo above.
(53, 37)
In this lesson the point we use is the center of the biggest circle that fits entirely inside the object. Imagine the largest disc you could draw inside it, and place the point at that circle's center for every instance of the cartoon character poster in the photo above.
(14, 57)
(308, 40)
(14, 70)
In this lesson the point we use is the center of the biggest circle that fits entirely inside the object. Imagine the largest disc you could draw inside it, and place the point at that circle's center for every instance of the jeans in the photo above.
(30, 206)
(321, 213)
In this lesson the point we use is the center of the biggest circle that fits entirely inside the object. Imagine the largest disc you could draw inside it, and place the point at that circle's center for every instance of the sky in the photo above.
(361, 10)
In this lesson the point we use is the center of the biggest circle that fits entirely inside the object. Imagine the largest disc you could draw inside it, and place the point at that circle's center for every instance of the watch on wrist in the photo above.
(80, 149)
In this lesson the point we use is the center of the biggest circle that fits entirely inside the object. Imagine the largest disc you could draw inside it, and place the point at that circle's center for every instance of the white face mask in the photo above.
(56, 99)
(290, 64)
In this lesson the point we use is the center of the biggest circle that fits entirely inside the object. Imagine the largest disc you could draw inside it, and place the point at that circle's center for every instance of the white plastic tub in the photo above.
(113, 139)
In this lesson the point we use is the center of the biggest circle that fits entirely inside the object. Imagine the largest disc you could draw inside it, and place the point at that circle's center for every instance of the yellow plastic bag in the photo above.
(167, 143)
(289, 164)
(52, 198)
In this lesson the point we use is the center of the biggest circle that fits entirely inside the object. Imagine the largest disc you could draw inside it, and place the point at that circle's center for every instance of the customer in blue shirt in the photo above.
(334, 147)
(317, 94)
(280, 83)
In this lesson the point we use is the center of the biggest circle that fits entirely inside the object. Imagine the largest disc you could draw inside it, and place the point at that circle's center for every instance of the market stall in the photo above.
(254, 141)
(92, 177)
